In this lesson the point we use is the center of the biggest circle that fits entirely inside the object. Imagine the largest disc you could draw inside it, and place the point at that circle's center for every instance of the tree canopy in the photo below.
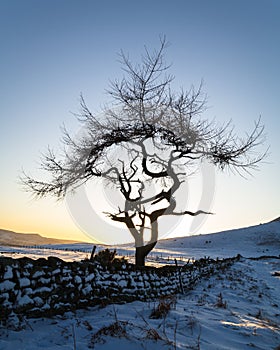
(149, 136)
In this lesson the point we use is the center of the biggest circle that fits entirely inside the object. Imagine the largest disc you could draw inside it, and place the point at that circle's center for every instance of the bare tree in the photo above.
(158, 136)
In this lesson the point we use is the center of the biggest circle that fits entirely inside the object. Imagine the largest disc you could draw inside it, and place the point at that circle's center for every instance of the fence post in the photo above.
(180, 276)
(92, 252)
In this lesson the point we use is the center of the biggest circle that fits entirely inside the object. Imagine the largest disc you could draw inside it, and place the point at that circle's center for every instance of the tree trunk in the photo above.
(142, 252)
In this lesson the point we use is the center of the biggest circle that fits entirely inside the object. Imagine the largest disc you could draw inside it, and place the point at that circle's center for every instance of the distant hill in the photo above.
(11, 238)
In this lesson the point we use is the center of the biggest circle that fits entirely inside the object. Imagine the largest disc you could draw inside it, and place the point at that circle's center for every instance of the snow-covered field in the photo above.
(237, 309)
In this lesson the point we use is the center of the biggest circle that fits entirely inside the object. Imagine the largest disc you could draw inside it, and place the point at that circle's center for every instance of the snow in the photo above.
(263, 239)
(9, 273)
(23, 300)
(43, 289)
(24, 282)
(238, 308)
(90, 277)
(38, 274)
(78, 279)
(6, 285)
(44, 280)
(38, 301)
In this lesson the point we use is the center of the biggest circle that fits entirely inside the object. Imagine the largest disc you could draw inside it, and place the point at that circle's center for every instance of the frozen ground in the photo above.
(238, 309)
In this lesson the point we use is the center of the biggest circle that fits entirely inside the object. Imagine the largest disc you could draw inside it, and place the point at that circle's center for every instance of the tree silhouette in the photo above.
(146, 145)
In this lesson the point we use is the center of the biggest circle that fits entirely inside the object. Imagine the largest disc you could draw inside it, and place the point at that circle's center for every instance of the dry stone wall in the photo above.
(45, 287)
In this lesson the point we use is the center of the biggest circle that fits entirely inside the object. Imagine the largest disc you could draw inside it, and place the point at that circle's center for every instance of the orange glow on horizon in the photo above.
(50, 231)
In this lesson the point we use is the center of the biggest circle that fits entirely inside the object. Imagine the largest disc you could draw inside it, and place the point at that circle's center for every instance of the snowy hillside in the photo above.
(263, 239)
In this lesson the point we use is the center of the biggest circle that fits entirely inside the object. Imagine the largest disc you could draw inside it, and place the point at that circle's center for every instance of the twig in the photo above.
(74, 337)
(175, 335)
(28, 324)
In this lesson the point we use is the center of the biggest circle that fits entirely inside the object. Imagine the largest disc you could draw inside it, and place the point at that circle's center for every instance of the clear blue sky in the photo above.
(53, 50)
